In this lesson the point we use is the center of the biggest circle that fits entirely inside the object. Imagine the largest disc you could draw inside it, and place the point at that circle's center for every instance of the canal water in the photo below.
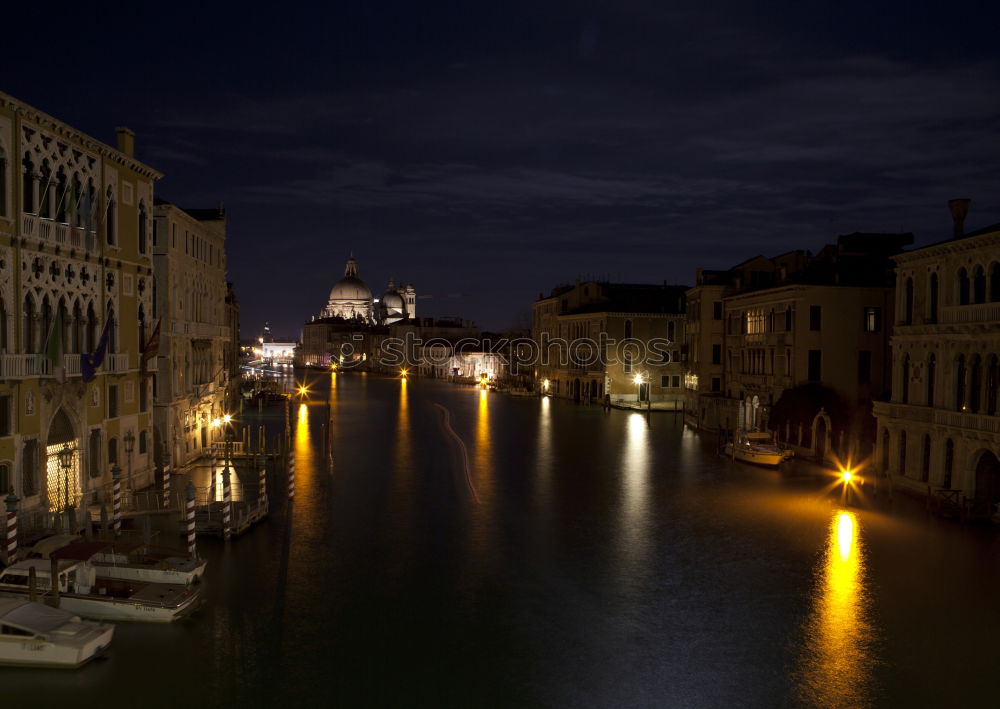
(458, 548)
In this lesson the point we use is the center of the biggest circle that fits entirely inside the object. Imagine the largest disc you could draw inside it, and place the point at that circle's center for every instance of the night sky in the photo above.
(489, 151)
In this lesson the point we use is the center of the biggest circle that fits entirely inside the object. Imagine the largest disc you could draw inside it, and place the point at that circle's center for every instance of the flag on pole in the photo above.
(89, 363)
(54, 347)
(149, 351)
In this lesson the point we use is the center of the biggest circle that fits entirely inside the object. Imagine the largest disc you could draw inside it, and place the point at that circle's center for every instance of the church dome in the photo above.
(392, 299)
(350, 287)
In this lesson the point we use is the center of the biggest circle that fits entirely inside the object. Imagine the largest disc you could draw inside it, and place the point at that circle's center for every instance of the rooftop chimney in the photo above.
(959, 209)
(126, 141)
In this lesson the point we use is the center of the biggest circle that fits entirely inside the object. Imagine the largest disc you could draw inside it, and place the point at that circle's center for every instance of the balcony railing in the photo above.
(116, 362)
(71, 363)
(979, 313)
(938, 417)
(61, 233)
(19, 366)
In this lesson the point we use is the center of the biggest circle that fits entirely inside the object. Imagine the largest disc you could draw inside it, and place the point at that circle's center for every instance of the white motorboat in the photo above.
(83, 592)
(128, 560)
(757, 448)
(35, 635)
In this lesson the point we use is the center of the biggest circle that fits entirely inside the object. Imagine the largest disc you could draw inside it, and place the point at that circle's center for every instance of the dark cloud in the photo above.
(496, 150)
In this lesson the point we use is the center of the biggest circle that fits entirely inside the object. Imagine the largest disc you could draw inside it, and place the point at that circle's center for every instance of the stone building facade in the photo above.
(196, 332)
(940, 433)
(75, 247)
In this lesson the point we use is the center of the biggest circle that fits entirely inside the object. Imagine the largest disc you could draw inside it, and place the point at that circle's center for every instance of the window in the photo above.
(931, 374)
(112, 451)
(979, 285)
(143, 396)
(675, 381)
(815, 365)
(873, 319)
(94, 454)
(29, 468)
(716, 354)
(960, 383)
(908, 302)
(963, 287)
(864, 366)
(905, 383)
(112, 401)
(142, 442)
(142, 227)
(109, 225)
(933, 297)
(815, 317)
(156, 232)
(174, 232)
(6, 424)
(670, 330)
(628, 329)
(949, 462)
(716, 384)
(788, 320)
(717, 310)
(665, 381)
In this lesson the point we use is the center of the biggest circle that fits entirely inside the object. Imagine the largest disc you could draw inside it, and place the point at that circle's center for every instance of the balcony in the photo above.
(938, 417)
(71, 364)
(21, 366)
(971, 314)
(116, 362)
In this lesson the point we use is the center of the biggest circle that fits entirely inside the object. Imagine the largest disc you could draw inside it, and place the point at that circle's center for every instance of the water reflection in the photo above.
(543, 449)
(404, 460)
(303, 453)
(484, 449)
(836, 663)
(635, 497)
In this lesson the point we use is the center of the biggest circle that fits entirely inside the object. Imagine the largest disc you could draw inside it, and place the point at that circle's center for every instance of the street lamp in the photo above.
(65, 462)
(129, 447)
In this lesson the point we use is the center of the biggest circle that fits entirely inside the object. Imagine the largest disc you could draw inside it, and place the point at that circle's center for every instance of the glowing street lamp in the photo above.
(403, 373)
(546, 384)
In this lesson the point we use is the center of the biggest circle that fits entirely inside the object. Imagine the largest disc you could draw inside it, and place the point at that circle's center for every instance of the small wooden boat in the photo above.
(757, 448)
(83, 592)
(35, 635)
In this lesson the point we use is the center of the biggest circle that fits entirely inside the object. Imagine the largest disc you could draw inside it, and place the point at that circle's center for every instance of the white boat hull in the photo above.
(757, 457)
(179, 573)
(108, 608)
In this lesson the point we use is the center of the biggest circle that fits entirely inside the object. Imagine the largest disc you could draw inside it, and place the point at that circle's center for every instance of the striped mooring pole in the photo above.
(211, 490)
(262, 489)
(227, 502)
(291, 475)
(11, 527)
(166, 485)
(192, 549)
(116, 478)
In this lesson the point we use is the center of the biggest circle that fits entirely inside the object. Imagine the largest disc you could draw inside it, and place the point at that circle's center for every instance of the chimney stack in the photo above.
(126, 141)
(959, 209)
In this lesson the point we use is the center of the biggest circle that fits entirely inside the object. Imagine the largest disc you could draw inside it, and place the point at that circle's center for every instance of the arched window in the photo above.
(28, 185)
(142, 227)
(4, 181)
(109, 217)
(960, 383)
(931, 374)
(112, 328)
(45, 208)
(991, 386)
(66, 323)
(76, 341)
(979, 285)
(908, 302)
(628, 329)
(75, 201)
(902, 452)
(62, 198)
(933, 298)
(905, 383)
(975, 384)
(44, 324)
(30, 322)
(142, 436)
(142, 328)
(949, 463)
(994, 282)
(925, 468)
(90, 334)
(963, 287)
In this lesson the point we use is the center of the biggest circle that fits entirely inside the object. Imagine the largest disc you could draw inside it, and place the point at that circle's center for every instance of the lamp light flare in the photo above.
(846, 475)
(227, 418)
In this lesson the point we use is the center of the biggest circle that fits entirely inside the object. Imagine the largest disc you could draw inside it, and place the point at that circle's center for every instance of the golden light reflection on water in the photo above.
(404, 446)
(543, 458)
(484, 449)
(303, 452)
(635, 492)
(836, 663)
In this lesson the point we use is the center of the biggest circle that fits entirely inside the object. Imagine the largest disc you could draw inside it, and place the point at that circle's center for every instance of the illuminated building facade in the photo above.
(940, 433)
(596, 339)
(75, 249)
(196, 332)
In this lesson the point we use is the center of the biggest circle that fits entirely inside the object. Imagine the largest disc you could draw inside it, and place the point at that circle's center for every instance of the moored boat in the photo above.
(35, 635)
(83, 592)
(129, 560)
(757, 448)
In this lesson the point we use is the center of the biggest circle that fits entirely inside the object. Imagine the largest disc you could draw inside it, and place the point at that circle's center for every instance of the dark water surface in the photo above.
(538, 553)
